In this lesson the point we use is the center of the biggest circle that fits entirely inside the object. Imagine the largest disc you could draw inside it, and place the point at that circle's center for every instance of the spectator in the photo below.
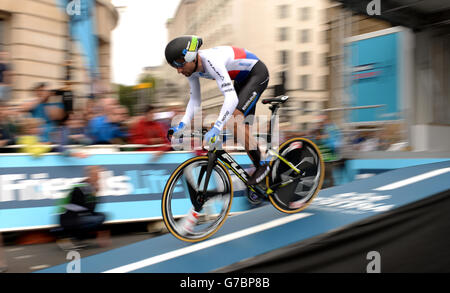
(147, 131)
(66, 95)
(171, 112)
(7, 129)
(77, 129)
(40, 107)
(107, 105)
(5, 78)
(73, 132)
(123, 118)
(91, 110)
(3, 266)
(106, 129)
(370, 144)
(356, 141)
(330, 136)
(78, 217)
(31, 129)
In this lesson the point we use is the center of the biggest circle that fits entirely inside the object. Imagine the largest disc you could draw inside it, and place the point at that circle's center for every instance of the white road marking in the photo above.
(208, 243)
(39, 267)
(414, 179)
(23, 256)
(14, 249)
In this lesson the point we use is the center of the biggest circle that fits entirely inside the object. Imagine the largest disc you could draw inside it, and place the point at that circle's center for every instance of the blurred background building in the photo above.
(310, 48)
(35, 33)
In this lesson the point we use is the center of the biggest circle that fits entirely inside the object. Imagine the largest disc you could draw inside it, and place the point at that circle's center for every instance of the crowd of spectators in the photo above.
(47, 123)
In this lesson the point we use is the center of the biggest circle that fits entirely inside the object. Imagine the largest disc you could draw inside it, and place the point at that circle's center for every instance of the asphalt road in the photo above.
(33, 257)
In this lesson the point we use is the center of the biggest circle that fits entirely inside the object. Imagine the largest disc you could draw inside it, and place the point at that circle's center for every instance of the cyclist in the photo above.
(223, 64)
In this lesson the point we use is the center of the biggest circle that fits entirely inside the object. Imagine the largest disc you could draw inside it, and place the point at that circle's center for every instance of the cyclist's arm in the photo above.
(194, 100)
(220, 73)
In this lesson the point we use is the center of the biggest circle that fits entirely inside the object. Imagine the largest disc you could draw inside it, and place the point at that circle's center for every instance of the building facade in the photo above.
(35, 34)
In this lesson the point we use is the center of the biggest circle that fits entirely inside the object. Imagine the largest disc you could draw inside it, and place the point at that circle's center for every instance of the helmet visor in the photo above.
(178, 64)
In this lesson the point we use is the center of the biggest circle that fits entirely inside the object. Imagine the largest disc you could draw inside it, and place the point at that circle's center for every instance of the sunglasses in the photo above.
(178, 64)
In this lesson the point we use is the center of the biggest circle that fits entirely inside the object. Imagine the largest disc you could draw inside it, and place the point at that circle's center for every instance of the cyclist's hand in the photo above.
(212, 136)
(175, 131)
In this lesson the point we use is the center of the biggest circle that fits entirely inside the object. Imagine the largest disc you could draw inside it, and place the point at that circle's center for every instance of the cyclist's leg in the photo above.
(242, 130)
(248, 93)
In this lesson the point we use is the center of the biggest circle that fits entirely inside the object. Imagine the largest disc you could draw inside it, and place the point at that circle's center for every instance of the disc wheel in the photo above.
(295, 191)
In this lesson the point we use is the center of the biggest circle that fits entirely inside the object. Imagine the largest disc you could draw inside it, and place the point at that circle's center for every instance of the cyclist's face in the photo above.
(187, 69)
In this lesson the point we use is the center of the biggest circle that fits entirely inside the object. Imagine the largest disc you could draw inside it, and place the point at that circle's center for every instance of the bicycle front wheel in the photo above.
(184, 191)
(295, 191)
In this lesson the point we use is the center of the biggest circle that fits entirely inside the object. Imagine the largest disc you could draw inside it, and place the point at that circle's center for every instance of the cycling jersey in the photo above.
(224, 64)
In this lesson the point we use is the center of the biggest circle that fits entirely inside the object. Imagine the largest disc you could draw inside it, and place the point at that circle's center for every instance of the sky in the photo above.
(140, 37)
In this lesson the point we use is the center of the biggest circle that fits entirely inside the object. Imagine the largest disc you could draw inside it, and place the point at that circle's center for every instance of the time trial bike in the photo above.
(198, 195)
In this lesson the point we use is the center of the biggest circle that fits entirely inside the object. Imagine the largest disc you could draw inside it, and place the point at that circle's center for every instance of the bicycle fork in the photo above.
(199, 197)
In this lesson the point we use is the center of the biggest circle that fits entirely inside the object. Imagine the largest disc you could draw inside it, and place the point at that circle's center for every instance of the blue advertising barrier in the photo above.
(363, 168)
(130, 188)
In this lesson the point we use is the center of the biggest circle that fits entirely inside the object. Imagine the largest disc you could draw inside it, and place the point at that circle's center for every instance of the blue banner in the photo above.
(375, 77)
(83, 28)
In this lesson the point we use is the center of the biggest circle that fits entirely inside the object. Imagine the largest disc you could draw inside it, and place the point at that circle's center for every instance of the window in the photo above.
(308, 106)
(284, 56)
(324, 35)
(283, 11)
(324, 16)
(324, 82)
(324, 59)
(304, 13)
(283, 34)
(300, 108)
(304, 36)
(304, 58)
(2, 34)
(304, 81)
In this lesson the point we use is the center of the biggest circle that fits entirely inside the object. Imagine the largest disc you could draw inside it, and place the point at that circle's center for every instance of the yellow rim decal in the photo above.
(165, 195)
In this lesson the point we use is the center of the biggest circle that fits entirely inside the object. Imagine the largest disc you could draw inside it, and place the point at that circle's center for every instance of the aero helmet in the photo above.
(185, 47)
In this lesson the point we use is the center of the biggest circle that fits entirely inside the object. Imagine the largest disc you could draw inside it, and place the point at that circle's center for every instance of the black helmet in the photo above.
(185, 47)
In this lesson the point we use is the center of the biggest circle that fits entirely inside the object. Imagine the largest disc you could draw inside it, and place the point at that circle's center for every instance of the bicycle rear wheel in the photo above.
(294, 191)
(181, 196)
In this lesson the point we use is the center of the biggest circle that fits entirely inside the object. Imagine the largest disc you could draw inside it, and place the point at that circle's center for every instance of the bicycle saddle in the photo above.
(276, 101)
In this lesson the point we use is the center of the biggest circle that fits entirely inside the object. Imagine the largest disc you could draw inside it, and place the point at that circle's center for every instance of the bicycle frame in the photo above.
(227, 160)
